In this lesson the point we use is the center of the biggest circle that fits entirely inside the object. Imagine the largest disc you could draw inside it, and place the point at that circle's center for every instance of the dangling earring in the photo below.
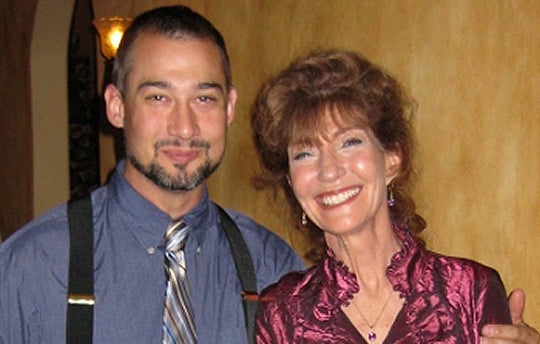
(304, 219)
(391, 199)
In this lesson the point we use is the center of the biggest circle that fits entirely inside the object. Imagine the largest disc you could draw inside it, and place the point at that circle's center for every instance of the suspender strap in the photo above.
(80, 308)
(246, 271)
(80, 311)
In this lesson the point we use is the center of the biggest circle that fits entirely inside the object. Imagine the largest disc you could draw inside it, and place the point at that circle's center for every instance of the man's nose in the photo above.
(182, 122)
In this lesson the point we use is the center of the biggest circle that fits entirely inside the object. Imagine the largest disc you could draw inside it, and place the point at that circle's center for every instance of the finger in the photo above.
(522, 333)
(506, 332)
(516, 302)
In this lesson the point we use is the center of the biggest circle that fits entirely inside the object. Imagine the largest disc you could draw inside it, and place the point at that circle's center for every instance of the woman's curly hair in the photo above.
(291, 108)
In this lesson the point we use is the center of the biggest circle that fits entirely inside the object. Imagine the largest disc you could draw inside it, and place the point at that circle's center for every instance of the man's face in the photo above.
(175, 112)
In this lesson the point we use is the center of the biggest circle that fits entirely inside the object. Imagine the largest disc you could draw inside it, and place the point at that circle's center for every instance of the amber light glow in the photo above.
(110, 32)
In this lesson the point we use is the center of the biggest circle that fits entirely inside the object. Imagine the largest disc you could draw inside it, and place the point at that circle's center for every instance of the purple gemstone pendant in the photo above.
(371, 336)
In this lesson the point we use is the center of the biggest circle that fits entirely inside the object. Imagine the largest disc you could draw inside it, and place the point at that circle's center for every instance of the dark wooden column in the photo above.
(16, 198)
(83, 102)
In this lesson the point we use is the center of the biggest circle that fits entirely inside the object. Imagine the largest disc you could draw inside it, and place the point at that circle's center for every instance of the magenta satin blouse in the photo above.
(447, 300)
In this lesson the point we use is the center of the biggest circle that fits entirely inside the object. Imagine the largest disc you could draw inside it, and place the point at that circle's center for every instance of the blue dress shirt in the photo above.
(129, 272)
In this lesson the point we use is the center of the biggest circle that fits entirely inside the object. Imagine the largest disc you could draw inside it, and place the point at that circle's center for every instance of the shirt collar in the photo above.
(147, 221)
(202, 218)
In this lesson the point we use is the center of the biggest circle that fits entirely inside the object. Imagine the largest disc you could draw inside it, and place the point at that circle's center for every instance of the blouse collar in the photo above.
(339, 284)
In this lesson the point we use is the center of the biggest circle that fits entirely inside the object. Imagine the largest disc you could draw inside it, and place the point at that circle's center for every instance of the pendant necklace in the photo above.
(372, 336)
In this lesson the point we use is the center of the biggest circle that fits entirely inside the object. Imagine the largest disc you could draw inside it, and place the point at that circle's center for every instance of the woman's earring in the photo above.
(304, 219)
(391, 199)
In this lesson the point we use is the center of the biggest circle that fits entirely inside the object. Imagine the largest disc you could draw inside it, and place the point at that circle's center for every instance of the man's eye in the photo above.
(206, 99)
(156, 97)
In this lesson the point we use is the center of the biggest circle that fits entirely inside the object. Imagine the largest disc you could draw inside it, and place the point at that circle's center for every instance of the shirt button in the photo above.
(151, 250)
(198, 249)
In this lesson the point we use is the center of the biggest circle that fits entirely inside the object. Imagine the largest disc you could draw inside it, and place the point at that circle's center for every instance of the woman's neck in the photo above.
(374, 308)
(367, 254)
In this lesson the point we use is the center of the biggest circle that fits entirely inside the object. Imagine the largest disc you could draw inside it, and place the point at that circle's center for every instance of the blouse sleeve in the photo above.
(492, 302)
(270, 325)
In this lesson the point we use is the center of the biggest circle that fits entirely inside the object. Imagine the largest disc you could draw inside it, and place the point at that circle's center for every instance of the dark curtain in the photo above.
(16, 28)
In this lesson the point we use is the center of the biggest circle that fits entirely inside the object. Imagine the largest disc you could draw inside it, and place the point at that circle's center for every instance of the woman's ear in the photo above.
(392, 164)
(114, 102)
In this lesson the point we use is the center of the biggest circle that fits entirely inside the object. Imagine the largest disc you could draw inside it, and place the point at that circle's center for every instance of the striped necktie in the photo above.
(178, 326)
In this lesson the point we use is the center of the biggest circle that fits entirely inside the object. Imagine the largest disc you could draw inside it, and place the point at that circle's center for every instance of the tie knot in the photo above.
(176, 234)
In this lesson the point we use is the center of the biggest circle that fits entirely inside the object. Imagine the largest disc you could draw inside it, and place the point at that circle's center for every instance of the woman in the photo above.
(332, 130)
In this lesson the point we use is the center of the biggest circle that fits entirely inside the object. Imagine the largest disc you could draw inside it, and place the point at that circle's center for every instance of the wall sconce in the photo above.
(110, 32)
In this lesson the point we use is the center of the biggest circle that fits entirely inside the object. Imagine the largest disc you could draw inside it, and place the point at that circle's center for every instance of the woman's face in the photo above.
(341, 179)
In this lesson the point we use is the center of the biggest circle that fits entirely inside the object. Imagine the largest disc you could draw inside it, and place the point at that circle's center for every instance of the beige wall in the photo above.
(473, 68)
(49, 103)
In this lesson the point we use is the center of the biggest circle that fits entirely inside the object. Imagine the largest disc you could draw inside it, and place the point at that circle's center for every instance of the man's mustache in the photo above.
(182, 143)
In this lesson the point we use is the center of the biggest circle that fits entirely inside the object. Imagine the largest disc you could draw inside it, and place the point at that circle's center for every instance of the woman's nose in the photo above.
(330, 167)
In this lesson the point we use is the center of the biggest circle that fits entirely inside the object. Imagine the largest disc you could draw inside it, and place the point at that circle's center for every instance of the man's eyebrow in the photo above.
(166, 85)
(156, 84)
(210, 85)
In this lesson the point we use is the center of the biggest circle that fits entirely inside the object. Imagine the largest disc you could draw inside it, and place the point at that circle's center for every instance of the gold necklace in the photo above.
(372, 336)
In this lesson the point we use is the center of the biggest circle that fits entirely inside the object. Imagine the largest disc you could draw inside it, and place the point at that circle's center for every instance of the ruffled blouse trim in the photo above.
(338, 287)
(340, 284)
(402, 272)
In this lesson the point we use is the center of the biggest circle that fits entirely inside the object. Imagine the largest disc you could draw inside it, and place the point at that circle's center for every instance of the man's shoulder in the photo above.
(45, 225)
(255, 233)
(247, 225)
(268, 250)
(48, 231)
(36, 247)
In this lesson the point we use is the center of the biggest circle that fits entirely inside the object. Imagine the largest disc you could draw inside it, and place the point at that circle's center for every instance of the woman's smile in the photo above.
(339, 197)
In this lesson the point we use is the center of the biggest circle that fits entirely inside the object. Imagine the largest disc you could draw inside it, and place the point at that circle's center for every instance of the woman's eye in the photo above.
(301, 155)
(353, 141)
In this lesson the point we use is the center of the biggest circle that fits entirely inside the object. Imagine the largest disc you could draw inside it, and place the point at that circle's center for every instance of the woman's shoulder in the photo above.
(327, 283)
(463, 270)
(458, 264)
(293, 285)
(467, 282)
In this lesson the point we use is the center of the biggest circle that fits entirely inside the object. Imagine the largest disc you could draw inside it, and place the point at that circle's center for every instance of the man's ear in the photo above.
(114, 103)
(392, 160)
(231, 104)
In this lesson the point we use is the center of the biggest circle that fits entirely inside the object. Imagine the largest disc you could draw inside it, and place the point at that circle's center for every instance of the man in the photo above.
(172, 94)
(173, 97)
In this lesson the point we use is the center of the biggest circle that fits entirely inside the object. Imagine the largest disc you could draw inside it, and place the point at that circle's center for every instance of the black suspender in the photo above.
(246, 272)
(80, 310)
(79, 324)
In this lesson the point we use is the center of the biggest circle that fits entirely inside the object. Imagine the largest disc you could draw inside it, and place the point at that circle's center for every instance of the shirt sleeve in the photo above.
(16, 304)
(32, 287)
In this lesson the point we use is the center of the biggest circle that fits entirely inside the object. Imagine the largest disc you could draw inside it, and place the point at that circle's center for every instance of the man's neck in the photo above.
(174, 203)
